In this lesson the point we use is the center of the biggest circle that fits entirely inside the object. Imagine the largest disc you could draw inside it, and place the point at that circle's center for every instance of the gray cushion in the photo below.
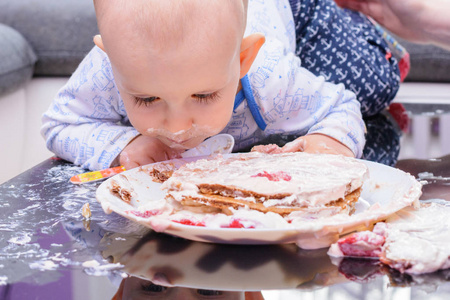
(60, 31)
(428, 63)
(16, 60)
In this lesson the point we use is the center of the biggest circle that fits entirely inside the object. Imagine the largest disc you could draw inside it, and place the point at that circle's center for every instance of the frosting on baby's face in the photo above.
(178, 79)
(183, 139)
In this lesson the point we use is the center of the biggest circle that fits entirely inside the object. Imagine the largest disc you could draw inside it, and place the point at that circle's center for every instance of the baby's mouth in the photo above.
(183, 139)
(178, 141)
(183, 143)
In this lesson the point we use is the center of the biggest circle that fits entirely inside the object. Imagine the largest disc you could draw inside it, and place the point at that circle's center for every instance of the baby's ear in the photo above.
(249, 49)
(99, 42)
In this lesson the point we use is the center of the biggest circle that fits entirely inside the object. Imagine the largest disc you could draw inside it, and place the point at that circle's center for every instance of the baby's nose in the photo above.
(178, 121)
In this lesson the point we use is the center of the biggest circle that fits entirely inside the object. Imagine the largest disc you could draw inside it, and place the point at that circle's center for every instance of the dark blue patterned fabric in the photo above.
(382, 140)
(345, 47)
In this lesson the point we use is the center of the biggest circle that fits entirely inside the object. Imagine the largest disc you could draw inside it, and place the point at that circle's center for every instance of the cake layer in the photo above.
(285, 180)
(345, 205)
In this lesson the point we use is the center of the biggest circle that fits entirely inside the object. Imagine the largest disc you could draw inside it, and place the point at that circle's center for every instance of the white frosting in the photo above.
(306, 179)
(335, 251)
(418, 241)
(246, 217)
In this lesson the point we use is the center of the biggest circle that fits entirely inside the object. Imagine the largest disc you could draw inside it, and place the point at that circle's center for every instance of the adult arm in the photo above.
(415, 20)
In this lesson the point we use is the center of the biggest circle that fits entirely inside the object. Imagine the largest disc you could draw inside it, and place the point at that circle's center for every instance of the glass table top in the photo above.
(49, 251)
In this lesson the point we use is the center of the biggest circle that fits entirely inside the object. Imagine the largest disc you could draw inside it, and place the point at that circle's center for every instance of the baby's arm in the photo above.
(327, 115)
(86, 123)
(292, 100)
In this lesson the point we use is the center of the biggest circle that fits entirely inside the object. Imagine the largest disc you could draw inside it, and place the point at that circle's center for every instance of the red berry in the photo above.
(277, 176)
(189, 222)
(145, 214)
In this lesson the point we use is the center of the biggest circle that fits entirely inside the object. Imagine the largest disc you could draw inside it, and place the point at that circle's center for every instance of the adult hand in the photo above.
(404, 18)
(144, 150)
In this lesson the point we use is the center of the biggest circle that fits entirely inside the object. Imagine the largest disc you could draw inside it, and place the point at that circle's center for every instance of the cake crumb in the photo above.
(86, 211)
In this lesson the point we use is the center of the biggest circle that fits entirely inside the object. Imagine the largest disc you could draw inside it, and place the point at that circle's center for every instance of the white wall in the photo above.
(20, 120)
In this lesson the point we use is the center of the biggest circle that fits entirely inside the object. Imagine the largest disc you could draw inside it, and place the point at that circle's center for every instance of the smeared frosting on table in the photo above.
(416, 240)
(419, 240)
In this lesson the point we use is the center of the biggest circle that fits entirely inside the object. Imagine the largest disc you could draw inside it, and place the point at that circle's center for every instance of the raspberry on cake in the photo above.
(279, 183)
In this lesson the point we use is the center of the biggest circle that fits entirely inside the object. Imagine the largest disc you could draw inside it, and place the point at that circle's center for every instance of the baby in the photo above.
(166, 75)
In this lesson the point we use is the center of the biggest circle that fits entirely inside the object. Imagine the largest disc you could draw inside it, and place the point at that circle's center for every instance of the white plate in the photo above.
(387, 191)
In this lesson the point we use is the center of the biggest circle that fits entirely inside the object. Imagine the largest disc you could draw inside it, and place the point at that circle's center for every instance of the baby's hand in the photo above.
(146, 150)
(268, 149)
(317, 143)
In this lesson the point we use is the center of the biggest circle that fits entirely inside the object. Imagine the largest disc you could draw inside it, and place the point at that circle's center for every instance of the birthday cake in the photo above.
(280, 183)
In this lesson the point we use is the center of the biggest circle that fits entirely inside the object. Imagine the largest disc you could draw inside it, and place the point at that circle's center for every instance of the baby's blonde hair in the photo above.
(172, 22)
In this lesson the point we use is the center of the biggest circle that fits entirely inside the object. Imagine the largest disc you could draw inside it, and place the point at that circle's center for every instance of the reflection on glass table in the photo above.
(427, 130)
(434, 174)
(137, 288)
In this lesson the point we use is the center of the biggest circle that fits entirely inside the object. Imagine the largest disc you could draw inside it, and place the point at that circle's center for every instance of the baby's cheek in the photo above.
(218, 117)
(144, 123)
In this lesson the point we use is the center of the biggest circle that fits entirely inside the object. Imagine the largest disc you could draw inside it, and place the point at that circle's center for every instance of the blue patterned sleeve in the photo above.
(87, 123)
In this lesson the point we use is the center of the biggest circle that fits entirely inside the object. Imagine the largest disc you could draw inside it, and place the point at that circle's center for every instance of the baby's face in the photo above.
(180, 91)
(180, 97)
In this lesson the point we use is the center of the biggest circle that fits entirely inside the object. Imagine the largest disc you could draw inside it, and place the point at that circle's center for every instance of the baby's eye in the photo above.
(209, 293)
(150, 287)
(145, 101)
(206, 98)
